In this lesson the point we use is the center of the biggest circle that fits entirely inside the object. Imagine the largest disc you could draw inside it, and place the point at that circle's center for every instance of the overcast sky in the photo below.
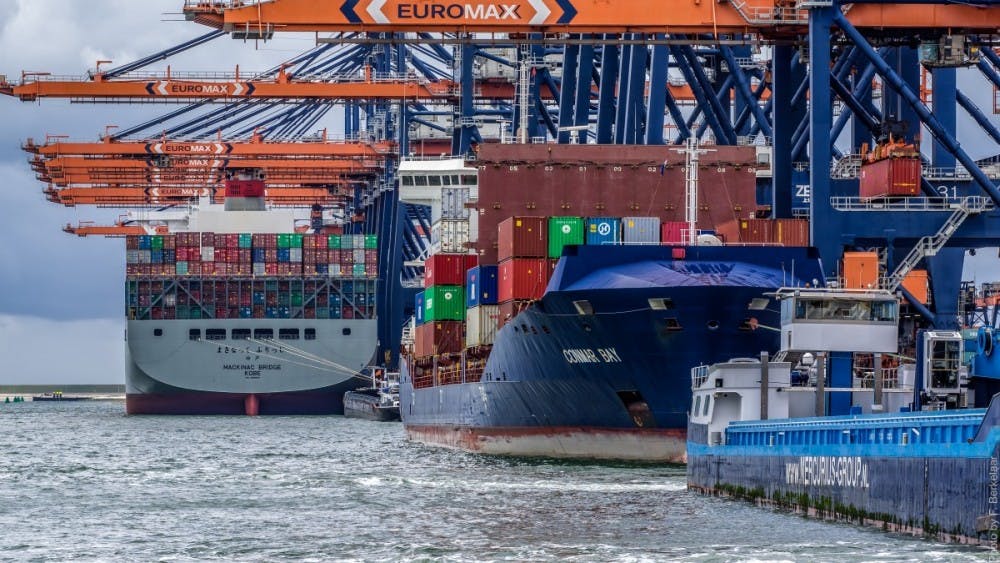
(61, 297)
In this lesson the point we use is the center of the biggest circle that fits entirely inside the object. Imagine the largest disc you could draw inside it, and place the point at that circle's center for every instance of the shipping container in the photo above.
(482, 286)
(791, 232)
(447, 269)
(757, 231)
(674, 232)
(453, 203)
(522, 278)
(440, 337)
(418, 308)
(444, 303)
(450, 236)
(564, 231)
(860, 270)
(371, 242)
(890, 177)
(333, 242)
(481, 325)
(603, 230)
(522, 237)
(641, 230)
(916, 284)
(510, 309)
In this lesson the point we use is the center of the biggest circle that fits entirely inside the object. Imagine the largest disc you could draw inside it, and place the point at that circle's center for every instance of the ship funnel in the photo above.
(245, 189)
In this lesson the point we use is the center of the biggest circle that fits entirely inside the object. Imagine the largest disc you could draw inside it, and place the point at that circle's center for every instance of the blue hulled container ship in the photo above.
(908, 456)
(598, 367)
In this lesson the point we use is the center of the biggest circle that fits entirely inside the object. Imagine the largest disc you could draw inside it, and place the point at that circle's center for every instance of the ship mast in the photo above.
(692, 152)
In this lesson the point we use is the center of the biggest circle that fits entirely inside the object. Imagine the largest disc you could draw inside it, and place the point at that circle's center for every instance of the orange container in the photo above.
(860, 270)
(916, 283)
(791, 232)
(890, 177)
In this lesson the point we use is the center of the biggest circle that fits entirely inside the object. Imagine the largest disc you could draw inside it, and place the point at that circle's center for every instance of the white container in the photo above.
(131, 256)
(359, 256)
(481, 325)
(259, 269)
(295, 255)
(450, 236)
(208, 254)
(144, 256)
(359, 242)
(641, 230)
(334, 271)
(453, 202)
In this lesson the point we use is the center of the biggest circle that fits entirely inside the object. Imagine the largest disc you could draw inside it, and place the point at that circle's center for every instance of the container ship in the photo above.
(236, 313)
(908, 455)
(573, 335)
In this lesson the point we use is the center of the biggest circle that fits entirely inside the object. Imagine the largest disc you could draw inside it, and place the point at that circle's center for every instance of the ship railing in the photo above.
(474, 372)
(698, 376)
(929, 204)
(449, 375)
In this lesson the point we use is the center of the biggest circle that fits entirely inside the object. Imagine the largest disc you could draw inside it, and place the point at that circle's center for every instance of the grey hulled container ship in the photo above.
(235, 313)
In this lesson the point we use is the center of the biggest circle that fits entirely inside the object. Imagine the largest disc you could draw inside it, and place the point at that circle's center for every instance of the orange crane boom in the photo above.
(229, 149)
(261, 19)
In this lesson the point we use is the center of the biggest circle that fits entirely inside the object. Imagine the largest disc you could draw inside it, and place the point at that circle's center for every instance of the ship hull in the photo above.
(947, 492)
(612, 384)
(169, 371)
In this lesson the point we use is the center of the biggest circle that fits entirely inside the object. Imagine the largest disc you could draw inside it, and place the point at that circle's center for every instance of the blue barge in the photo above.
(885, 463)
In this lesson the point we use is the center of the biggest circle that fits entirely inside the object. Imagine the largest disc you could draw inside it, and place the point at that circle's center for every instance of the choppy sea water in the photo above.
(82, 481)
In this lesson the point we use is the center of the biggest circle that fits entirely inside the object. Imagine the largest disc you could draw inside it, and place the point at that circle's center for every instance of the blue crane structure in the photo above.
(804, 81)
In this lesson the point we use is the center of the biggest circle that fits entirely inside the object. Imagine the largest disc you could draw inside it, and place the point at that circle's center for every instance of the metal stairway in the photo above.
(930, 245)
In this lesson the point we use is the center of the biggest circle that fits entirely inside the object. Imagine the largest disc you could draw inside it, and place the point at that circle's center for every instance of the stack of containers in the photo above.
(482, 312)
(522, 248)
(452, 233)
(245, 255)
(440, 328)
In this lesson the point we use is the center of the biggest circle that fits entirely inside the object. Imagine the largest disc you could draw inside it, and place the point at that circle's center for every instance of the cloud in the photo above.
(43, 351)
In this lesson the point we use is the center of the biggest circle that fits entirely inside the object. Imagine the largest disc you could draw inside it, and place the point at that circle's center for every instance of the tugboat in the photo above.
(835, 428)
(380, 402)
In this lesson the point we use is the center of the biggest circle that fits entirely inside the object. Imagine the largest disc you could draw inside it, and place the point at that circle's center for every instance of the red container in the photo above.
(522, 278)
(509, 310)
(170, 242)
(891, 177)
(246, 255)
(523, 237)
(194, 268)
(207, 239)
(759, 231)
(439, 337)
(208, 268)
(672, 232)
(132, 242)
(445, 269)
(791, 232)
(371, 256)
(271, 268)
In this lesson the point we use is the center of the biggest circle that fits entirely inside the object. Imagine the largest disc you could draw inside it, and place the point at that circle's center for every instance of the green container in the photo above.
(246, 240)
(371, 241)
(195, 313)
(182, 312)
(156, 243)
(444, 303)
(333, 241)
(296, 240)
(182, 268)
(564, 231)
(358, 271)
(284, 241)
(296, 299)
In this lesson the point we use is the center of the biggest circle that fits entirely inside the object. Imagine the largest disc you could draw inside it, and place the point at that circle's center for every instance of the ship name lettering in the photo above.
(828, 471)
(273, 367)
(588, 356)
(240, 367)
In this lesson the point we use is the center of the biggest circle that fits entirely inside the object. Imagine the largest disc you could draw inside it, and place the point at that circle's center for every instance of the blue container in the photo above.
(156, 256)
(259, 298)
(145, 241)
(284, 312)
(169, 256)
(603, 230)
(322, 269)
(335, 312)
(284, 255)
(419, 305)
(335, 300)
(246, 312)
(259, 255)
(322, 312)
(271, 312)
(481, 286)
(347, 287)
